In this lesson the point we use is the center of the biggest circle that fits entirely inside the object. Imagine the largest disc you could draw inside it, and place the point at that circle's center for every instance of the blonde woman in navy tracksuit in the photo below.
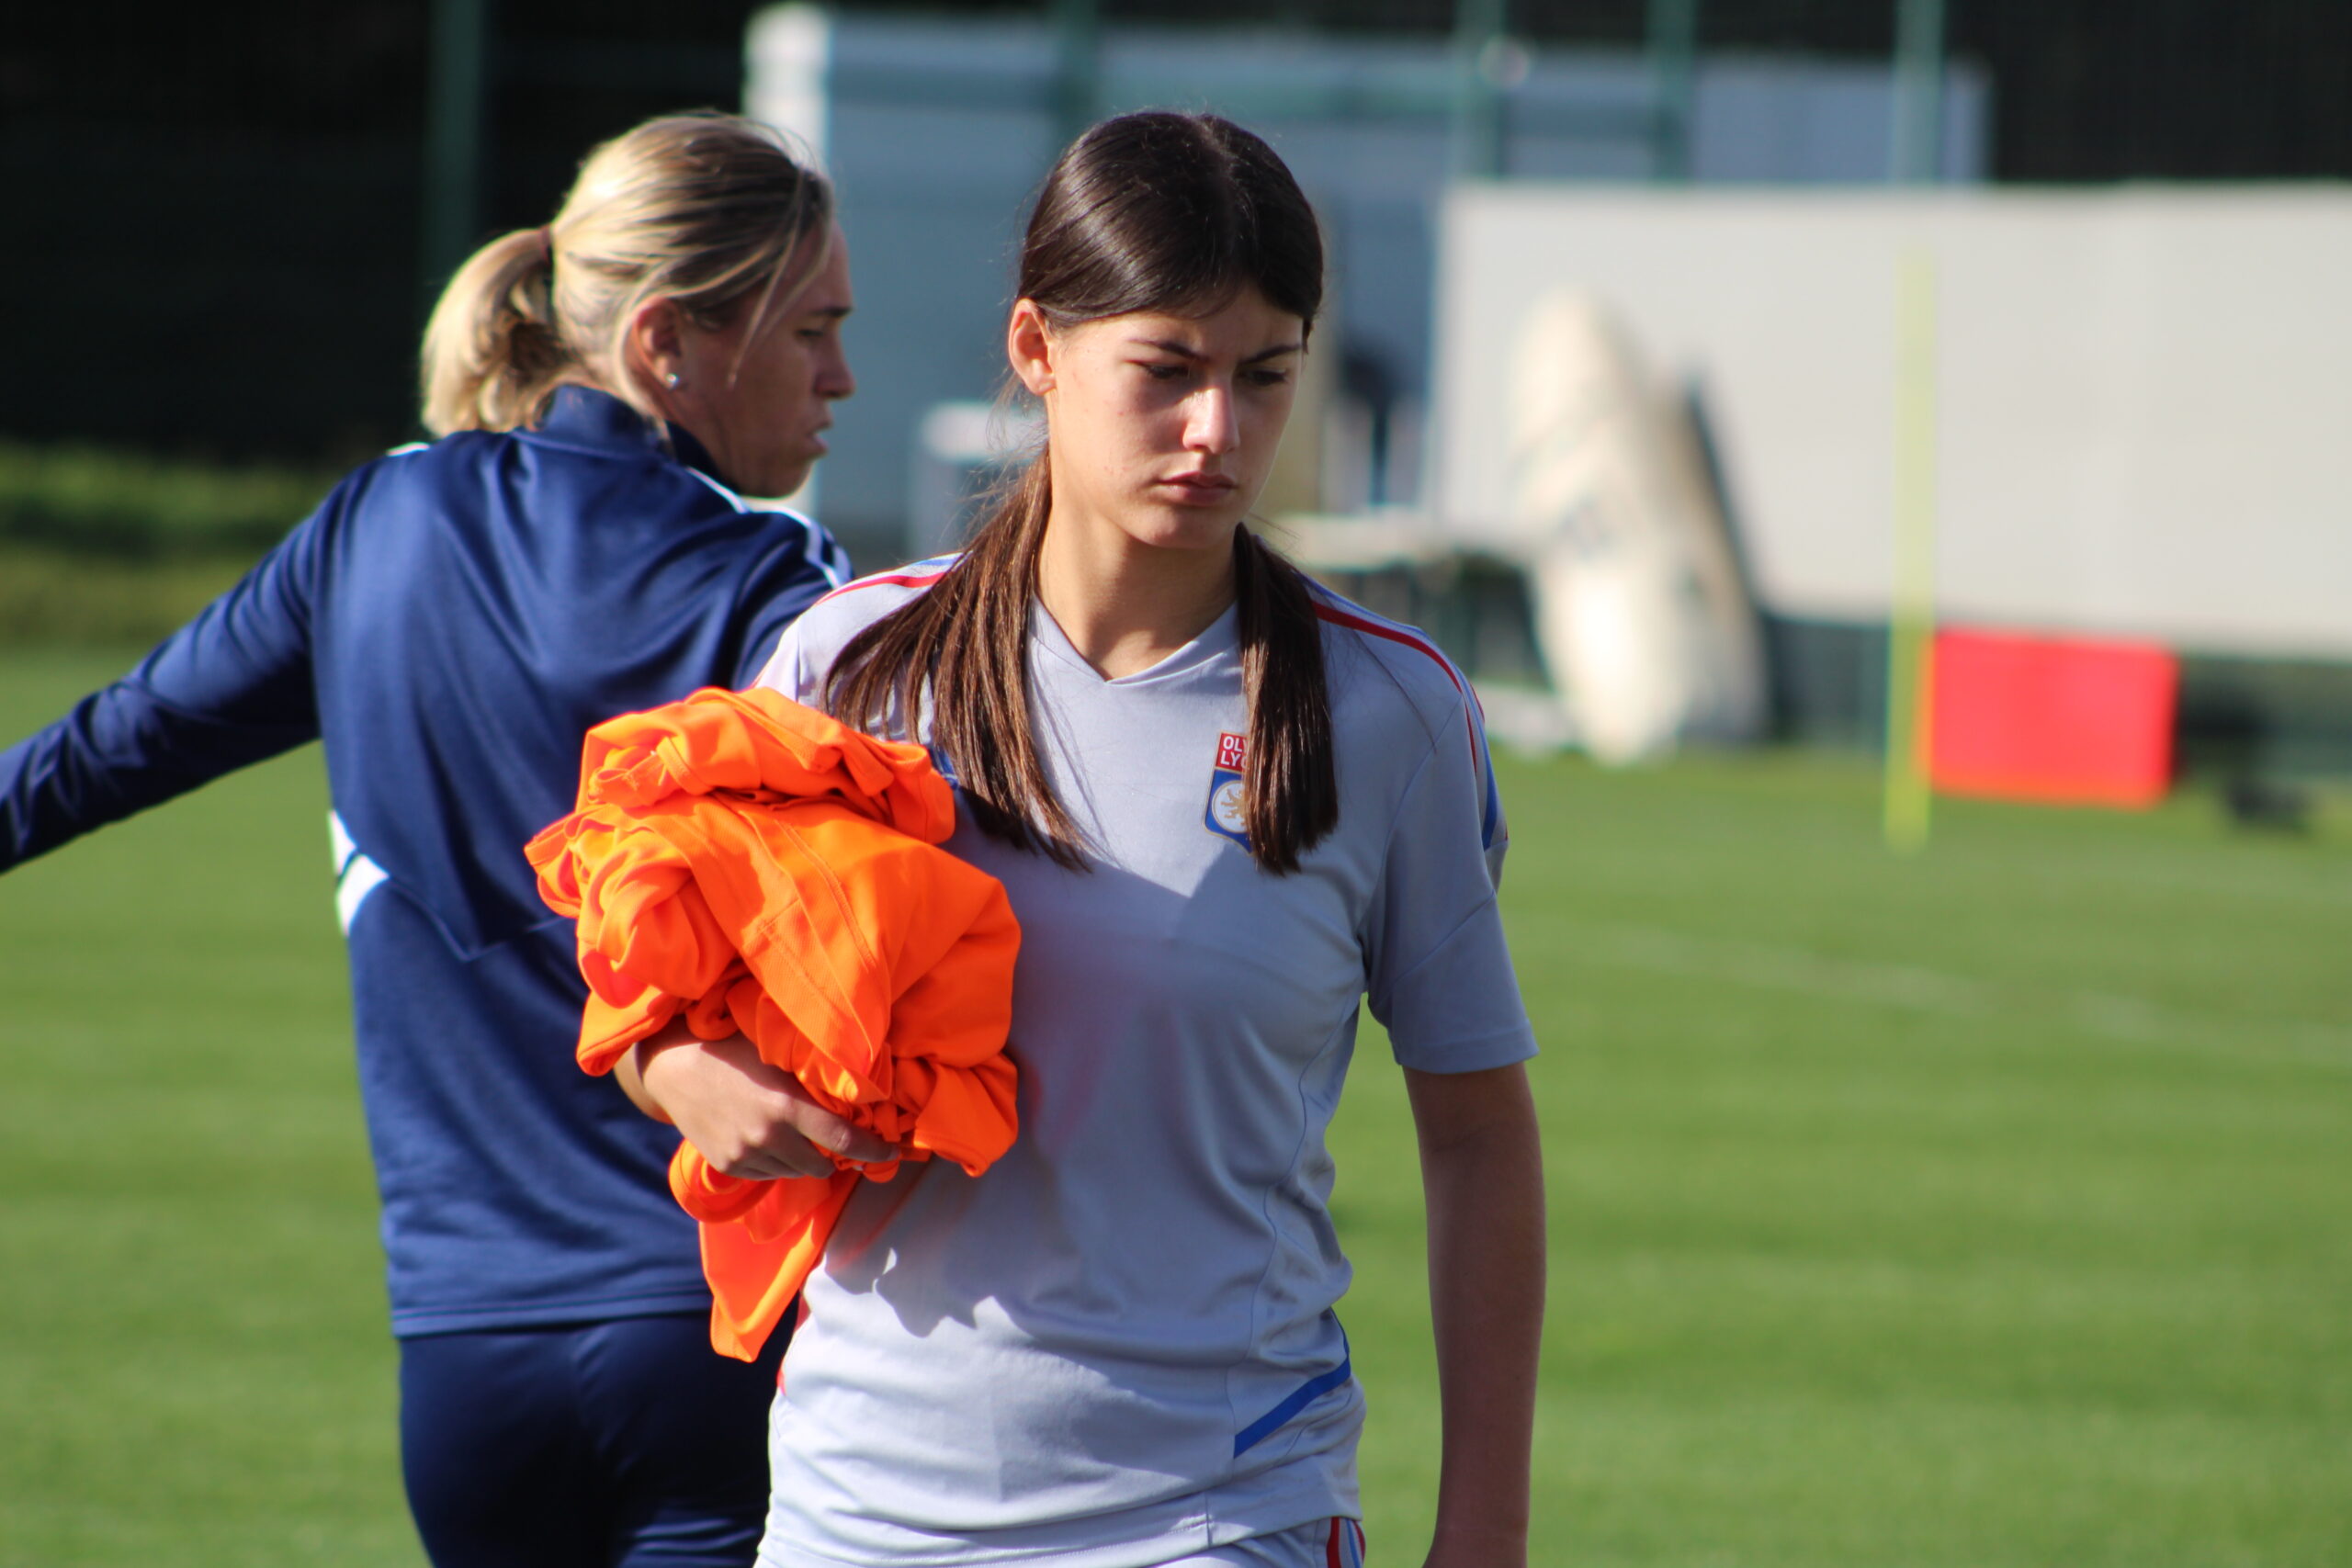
(450, 621)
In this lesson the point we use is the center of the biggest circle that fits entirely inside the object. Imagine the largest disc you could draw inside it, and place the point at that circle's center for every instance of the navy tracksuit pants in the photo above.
(626, 1443)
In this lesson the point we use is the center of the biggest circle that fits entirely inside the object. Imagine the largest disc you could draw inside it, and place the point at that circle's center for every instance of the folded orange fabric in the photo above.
(760, 867)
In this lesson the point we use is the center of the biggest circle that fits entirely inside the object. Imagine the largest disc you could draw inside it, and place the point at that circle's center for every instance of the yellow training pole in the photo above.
(1911, 624)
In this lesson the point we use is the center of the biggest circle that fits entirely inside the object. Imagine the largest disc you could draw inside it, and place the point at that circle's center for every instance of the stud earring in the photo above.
(674, 381)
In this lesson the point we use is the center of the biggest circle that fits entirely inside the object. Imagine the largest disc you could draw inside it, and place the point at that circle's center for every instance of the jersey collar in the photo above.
(1219, 638)
(585, 416)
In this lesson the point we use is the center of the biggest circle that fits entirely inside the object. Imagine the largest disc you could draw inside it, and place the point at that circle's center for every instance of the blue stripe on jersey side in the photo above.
(1493, 808)
(1307, 1394)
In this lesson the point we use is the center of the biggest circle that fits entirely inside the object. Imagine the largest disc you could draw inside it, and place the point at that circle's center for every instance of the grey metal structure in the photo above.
(937, 129)
(1916, 155)
(455, 114)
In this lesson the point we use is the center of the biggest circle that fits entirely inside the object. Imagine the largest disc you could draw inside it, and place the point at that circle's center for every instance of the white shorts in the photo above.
(1326, 1543)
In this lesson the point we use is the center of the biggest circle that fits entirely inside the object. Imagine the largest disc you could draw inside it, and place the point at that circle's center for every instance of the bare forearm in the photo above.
(628, 1069)
(1482, 1175)
(629, 1073)
(748, 1118)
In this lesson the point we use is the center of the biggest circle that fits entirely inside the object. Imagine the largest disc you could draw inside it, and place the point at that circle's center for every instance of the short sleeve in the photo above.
(1439, 971)
(788, 669)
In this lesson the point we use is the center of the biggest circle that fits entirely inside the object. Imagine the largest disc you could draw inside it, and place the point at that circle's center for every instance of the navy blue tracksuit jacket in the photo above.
(449, 622)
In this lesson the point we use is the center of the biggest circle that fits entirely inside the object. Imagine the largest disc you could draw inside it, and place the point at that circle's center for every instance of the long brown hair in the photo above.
(1151, 211)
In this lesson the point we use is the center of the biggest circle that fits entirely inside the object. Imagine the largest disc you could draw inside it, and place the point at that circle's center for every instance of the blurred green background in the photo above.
(1987, 1209)
(104, 546)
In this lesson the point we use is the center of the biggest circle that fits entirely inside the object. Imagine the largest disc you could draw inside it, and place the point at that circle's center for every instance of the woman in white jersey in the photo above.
(1227, 806)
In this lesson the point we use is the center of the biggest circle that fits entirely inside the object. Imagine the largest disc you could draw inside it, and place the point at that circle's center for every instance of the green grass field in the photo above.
(1990, 1209)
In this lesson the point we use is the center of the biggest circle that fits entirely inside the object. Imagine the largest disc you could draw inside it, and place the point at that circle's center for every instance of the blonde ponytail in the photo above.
(492, 350)
(704, 209)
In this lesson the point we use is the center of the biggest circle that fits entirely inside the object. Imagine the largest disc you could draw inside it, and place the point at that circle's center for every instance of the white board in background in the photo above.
(2145, 394)
(1645, 625)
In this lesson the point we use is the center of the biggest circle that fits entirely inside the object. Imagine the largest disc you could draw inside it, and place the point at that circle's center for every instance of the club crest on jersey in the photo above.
(1224, 814)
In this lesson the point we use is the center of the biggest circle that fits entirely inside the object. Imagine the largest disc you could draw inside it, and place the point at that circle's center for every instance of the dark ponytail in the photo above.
(1291, 787)
(1145, 212)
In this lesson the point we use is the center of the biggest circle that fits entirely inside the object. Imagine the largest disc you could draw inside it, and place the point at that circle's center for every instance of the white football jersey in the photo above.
(1120, 1341)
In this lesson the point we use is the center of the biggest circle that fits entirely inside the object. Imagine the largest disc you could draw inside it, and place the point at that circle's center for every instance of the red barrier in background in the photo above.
(2062, 719)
